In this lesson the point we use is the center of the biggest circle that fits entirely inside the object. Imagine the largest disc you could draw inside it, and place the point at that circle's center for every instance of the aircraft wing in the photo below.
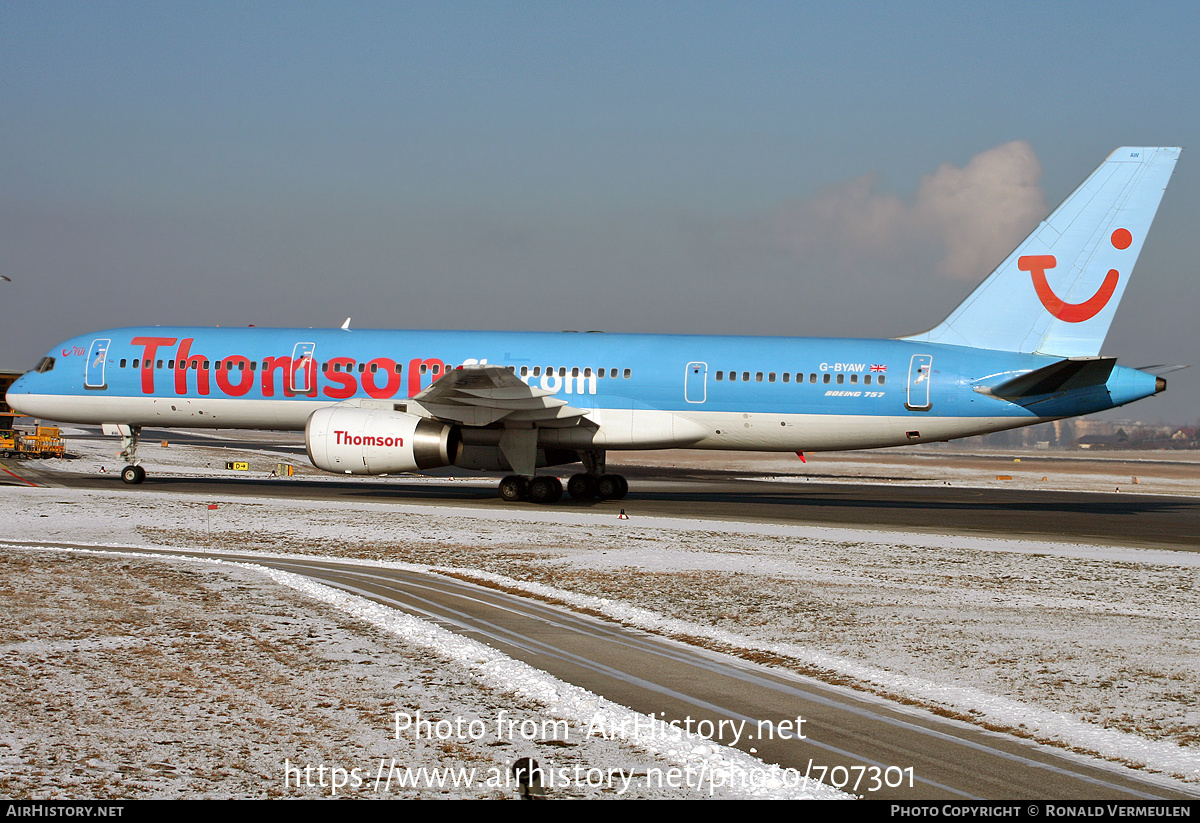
(482, 395)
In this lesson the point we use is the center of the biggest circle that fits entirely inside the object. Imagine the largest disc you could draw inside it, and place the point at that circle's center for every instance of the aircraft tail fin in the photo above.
(1058, 291)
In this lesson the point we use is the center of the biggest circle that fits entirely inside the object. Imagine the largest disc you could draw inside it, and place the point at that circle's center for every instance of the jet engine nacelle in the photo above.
(377, 441)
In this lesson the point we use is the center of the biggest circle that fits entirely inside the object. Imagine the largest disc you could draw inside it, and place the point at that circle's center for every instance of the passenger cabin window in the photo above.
(628, 373)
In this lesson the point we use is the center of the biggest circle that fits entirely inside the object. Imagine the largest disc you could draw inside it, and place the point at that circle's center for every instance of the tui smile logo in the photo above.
(1037, 264)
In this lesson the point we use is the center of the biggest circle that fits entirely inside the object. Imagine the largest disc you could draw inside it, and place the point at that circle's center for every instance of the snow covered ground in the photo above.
(1089, 648)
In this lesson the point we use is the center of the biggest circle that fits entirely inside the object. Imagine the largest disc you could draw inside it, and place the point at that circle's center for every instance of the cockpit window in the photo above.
(44, 365)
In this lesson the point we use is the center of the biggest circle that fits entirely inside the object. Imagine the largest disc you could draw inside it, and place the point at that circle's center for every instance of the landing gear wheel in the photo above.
(545, 489)
(133, 474)
(582, 487)
(612, 487)
(514, 488)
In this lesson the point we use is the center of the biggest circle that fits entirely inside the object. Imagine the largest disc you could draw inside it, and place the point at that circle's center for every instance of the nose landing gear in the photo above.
(133, 473)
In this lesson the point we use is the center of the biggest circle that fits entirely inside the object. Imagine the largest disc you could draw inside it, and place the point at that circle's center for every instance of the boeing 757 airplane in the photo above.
(1023, 348)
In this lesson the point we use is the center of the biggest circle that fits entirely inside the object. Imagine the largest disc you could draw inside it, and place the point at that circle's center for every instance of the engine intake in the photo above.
(378, 441)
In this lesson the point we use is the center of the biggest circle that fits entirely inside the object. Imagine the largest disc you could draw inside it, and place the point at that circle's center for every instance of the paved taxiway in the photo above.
(948, 759)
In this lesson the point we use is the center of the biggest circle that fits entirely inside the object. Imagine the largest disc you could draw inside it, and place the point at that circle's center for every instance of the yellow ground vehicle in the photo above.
(44, 441)
(8, 443)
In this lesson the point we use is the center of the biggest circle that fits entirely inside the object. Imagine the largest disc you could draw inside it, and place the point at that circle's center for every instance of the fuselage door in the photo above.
(93, 374)
(920, 375)
(303, 374)
(695, 383)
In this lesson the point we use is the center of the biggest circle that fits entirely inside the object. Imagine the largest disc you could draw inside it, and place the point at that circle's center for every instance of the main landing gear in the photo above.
(592, 484)
(591, 487)
(535, 489)
(549, 489)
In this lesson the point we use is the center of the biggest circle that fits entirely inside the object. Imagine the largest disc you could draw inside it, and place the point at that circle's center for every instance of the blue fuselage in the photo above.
(763, 393)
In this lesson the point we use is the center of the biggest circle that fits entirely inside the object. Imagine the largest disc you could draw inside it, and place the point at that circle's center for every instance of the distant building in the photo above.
(7, 378)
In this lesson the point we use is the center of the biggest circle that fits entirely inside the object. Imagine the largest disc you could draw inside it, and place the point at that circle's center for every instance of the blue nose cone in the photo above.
(22, 385)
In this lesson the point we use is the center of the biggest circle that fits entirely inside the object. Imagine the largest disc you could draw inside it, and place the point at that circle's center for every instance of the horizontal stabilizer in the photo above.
(1161, 369)
(1063, 376)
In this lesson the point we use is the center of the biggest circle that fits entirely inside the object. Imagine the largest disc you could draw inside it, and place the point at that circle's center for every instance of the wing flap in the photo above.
(483, 395)
(523, 403)
(505, 392)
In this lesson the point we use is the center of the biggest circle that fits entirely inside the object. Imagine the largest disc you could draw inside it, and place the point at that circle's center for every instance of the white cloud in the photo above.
(977, 214)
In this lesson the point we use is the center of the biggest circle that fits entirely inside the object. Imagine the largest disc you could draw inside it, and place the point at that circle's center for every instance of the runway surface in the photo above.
(1133, 520)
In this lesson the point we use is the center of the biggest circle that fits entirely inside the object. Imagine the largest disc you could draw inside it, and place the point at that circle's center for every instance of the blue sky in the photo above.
(617, 166)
